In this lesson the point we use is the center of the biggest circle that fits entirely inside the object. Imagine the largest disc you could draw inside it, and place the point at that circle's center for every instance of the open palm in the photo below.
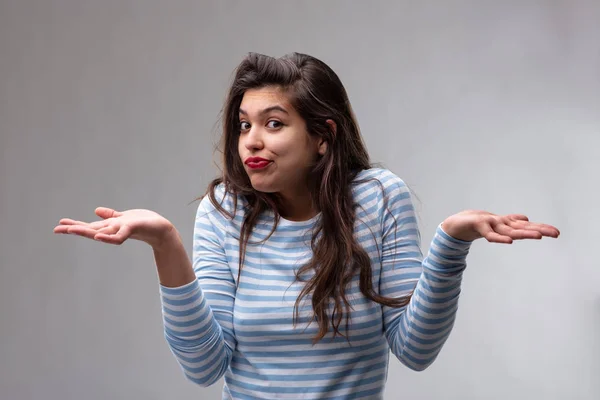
(470, 225)
(116, 226)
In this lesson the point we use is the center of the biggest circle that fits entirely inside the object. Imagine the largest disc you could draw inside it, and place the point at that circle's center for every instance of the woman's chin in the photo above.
(261, 186)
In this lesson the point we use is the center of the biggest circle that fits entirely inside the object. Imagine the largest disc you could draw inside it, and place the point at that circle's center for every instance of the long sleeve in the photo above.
(198, 317)
(417, 332)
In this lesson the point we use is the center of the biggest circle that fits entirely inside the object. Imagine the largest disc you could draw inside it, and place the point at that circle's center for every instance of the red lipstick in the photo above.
(257, 162)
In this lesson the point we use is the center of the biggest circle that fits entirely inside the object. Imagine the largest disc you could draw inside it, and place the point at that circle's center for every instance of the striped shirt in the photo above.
(244, 331)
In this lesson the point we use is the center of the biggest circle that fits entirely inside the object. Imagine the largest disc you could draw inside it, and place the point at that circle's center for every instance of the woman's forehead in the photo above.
(258, 100)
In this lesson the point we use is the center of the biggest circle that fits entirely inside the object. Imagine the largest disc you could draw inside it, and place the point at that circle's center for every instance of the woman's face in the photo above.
(274, 145)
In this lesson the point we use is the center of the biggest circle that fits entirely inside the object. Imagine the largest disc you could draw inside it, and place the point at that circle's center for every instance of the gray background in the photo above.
(487, 105)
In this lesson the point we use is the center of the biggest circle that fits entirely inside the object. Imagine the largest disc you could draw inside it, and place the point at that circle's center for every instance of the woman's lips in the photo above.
(257, 163)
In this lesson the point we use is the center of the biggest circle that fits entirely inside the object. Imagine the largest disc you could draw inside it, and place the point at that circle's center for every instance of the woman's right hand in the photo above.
(116, 227)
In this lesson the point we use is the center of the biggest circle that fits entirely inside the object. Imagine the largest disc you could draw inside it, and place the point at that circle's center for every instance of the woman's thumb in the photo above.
(105, 213)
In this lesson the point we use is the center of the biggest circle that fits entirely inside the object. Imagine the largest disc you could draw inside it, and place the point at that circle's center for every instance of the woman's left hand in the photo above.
(471, 225)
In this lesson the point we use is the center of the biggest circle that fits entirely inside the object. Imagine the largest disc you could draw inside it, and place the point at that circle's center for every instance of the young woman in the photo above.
(307, 269)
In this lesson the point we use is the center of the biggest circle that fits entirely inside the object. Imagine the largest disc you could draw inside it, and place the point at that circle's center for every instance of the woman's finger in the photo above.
(495, 237)
(115, 238)
(109, 230)
(82, 231)
(548, 230)
(517, 234)
(519, 217)
(98, 225)
(487, 231)
(69, 221)
(105, 212)
(61, 228)
(544, 229)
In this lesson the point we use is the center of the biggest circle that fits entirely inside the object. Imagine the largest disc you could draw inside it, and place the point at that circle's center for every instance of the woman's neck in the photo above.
(297, 206)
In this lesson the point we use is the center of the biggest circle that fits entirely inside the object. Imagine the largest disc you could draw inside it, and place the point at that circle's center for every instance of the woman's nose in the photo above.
(253, 139)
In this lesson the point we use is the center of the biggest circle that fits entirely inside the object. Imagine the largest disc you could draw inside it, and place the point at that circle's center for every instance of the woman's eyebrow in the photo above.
(267, 110)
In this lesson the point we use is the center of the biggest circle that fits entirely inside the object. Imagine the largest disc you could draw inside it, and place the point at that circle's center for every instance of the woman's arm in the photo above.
(197, 298)
(198, 316)
(172, 261)
(417, 332)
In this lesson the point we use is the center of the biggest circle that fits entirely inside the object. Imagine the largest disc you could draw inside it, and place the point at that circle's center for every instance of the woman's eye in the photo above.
(274, 124)
(244, 126)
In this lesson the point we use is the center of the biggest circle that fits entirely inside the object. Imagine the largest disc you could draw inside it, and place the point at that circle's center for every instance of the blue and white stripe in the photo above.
(245, 332)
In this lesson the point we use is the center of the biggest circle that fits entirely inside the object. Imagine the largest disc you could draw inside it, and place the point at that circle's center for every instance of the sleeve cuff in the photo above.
(183, 290)
(452, 241)
(447, 254)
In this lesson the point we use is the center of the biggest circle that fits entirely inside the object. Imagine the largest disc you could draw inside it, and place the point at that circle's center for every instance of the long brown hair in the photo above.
(317, 93)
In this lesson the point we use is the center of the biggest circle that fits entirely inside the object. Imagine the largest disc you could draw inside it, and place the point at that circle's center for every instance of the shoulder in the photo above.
(383, 196)
(220, 204)
(379, 182)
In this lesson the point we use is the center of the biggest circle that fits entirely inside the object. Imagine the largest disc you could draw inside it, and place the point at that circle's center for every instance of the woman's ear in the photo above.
(322, 147)
(332, 126)
(323, 143)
